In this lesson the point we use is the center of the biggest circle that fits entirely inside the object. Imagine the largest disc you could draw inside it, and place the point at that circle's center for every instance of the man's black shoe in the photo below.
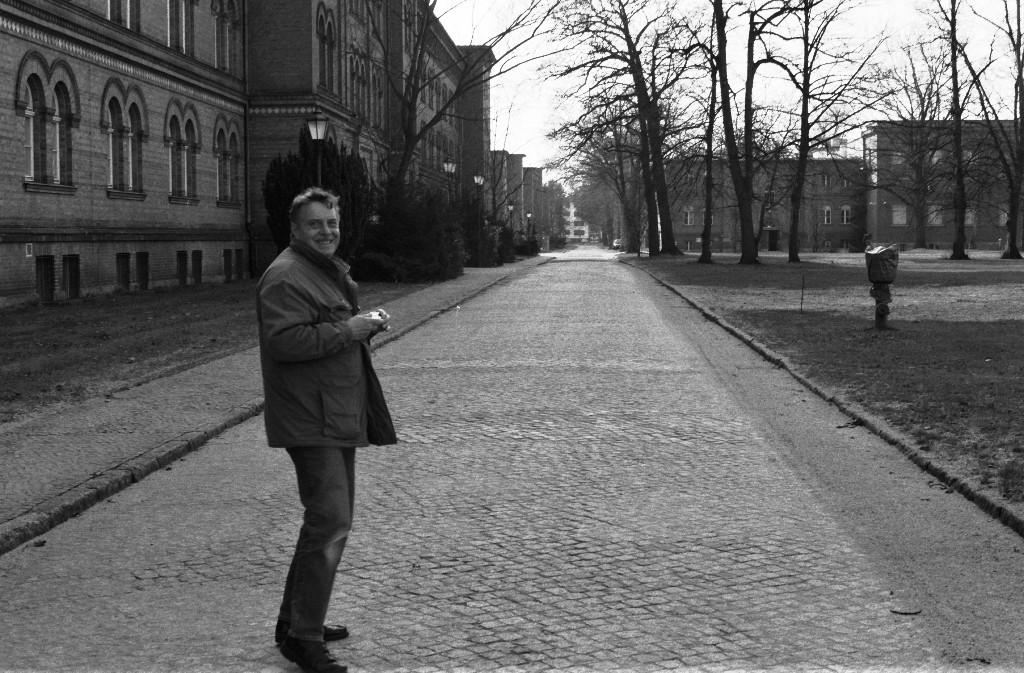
(331, 632)
(311, 656)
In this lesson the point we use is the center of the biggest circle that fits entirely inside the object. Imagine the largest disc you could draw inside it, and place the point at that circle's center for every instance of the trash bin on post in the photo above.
(882, 261)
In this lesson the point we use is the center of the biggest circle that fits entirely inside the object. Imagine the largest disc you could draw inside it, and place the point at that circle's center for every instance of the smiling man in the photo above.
(311, 341)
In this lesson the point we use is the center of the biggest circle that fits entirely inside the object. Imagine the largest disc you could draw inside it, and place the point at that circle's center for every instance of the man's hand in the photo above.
(362, 327)
(366, 325)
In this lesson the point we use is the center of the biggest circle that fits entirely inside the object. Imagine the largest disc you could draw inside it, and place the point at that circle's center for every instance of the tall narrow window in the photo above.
(135, 134)
(234, 161)
(181, 26)
(188, 22)
(226, 35)
(134, 18)
(223, 36)
(190, 151)
(826, 215)
(321, 38)
(175, 149)
(35, 131)
(175, 24)
(116, 146)
(223, 171)
(62, 135)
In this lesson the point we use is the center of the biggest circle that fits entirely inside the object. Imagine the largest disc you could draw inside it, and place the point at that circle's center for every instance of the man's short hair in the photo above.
(312, 195)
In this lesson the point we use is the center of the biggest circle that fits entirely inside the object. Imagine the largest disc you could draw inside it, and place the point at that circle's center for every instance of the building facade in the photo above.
(123, 167)
(831, 216)
(137, 135)
(911, 179)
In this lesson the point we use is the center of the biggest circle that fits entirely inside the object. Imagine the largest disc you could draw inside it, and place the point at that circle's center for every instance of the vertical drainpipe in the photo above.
(245, 145)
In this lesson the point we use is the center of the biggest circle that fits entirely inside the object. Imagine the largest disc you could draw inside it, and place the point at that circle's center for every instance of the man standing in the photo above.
(315, 389)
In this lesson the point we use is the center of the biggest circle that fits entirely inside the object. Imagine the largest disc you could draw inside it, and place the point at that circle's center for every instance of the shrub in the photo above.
(415, 239)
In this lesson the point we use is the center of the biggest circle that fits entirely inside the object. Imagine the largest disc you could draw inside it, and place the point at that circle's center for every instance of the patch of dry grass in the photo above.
(950, 373)
(66, 352)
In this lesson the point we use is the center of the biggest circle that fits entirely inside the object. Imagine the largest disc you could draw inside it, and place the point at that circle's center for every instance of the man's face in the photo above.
(317, 225)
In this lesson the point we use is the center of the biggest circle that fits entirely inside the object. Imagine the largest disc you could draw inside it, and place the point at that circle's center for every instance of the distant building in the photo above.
(910, 199)
(831, 214)
(577, 230)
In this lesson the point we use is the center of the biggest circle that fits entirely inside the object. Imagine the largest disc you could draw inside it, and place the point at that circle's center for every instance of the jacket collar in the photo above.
(333, 266)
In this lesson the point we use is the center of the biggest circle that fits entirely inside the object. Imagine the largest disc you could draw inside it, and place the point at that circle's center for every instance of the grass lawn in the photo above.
(950, 372)
(66, 352)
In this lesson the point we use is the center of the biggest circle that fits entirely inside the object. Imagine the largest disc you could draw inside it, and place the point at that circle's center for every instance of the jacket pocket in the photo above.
(343, 414)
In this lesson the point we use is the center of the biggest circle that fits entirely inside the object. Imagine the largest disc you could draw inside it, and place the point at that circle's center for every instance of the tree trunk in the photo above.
(653, 237)
(740, 178)
(709, 171)
(959, 187)
(1011, 251)
(668, 237)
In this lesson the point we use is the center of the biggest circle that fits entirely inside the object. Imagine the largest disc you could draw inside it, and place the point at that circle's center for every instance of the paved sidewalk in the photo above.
(55, 466)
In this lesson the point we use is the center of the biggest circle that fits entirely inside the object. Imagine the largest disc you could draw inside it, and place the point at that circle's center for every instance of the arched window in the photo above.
(326, 53)
(220, 147)
(175, 146)
(116, 138)
(135, 135)
(321, 38)
(35, 131)
(62, 135)
(330, 57)
(233, 168)
(190, 151)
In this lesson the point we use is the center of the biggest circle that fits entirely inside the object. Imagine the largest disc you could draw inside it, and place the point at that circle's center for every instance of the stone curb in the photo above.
(56, 510)
(878, 426)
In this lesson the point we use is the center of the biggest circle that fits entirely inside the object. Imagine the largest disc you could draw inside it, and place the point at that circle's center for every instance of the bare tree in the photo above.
(763, 18)
(631, 56)
(949, 13)
(1007, 134)
(829, 82)
(424, 67)
(919, 128)
(603, 153)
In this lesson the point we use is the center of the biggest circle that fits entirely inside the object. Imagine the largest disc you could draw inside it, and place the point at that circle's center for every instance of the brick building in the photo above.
(910, 200)
(136, 134)
(831, 215)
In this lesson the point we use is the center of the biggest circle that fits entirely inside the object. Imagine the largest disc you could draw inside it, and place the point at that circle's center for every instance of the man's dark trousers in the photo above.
(326, 479)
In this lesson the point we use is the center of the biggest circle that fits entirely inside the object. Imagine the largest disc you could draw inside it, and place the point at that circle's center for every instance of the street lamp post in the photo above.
(317, 131)
(449, 170)
(478, 180)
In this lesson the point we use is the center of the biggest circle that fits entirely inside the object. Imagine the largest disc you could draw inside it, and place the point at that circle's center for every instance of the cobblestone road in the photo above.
(574, 491)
